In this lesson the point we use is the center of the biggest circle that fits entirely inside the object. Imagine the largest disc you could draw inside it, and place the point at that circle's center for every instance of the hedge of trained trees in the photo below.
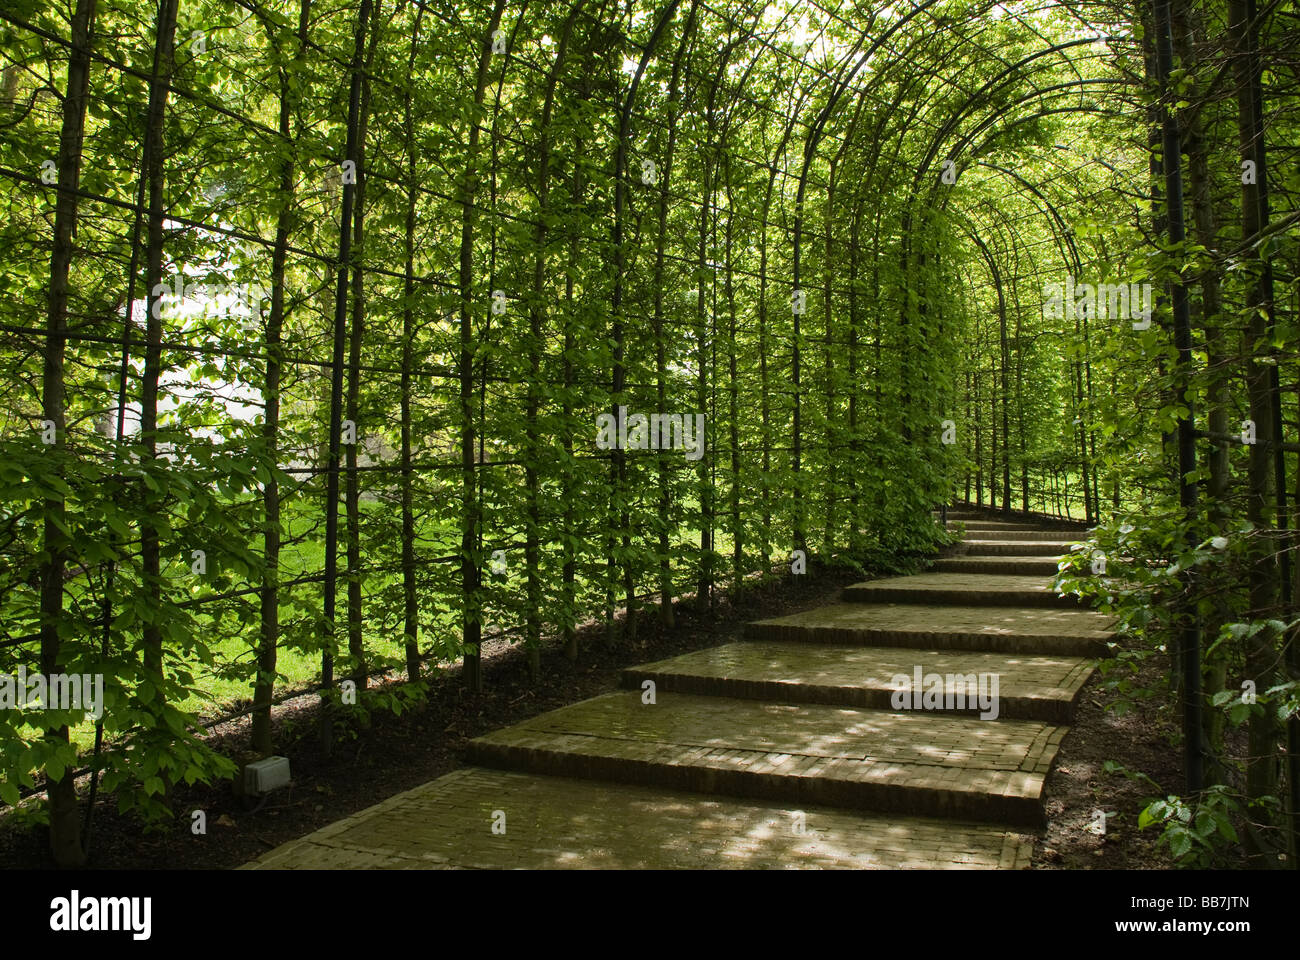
(312, 310)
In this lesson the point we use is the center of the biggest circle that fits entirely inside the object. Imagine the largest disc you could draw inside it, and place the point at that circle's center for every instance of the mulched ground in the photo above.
(398, 753)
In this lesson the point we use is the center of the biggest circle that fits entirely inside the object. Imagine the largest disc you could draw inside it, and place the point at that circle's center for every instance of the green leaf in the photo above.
(1180, 843)
(54, 768)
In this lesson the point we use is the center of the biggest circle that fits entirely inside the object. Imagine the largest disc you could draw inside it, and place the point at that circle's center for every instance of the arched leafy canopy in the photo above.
(416, 250)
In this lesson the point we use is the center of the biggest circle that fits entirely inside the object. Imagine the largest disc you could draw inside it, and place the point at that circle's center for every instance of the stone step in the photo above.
(1078, 633)
(890, 762)
(1021, 687)
(1025, 566)
(967, 589)
(1061, 531)
(982, 547)
(1023, 533)
(1000, 516)
(559, 823)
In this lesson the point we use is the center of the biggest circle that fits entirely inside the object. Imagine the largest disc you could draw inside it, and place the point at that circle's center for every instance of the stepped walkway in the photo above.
(788, 748)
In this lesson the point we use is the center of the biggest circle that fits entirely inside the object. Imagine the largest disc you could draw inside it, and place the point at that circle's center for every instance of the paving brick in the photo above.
(1063, 632)
(1036, 566)
(556, 823)
(968, 589)
(976, 546)
(971, 523)
(1019, 533)
(902, 753)
(1029, 687)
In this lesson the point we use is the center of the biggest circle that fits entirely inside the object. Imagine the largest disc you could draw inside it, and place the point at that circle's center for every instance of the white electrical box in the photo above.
(263, 776)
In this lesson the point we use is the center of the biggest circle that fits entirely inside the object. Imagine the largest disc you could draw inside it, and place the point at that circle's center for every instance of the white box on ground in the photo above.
(263, 776)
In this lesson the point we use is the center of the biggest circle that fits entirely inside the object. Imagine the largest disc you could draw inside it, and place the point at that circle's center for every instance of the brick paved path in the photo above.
(787, 749)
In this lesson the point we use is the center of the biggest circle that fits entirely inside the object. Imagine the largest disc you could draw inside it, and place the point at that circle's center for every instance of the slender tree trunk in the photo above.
(666, 618)
(532, 477)
(764, 390)
(966, 442)
(1020, 406)
(1262, 648)
(855, 441)
(65, 827)
(150, 549)
(1189, 632)
(568, 574)
(1198, 174)
(704, 588)
(339, 339)
(1004, 361)
(733, 401)
(410, 604)
(264, 684)
(993, 440)
(979, 458)
(831, 474)
(471, 623)
(356, 337)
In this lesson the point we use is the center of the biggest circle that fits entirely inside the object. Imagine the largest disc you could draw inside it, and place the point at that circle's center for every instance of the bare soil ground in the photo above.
(1078, 787)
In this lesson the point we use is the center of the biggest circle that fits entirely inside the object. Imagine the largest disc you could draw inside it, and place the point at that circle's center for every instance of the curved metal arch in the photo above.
(1001, 131)
(1063, 233)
